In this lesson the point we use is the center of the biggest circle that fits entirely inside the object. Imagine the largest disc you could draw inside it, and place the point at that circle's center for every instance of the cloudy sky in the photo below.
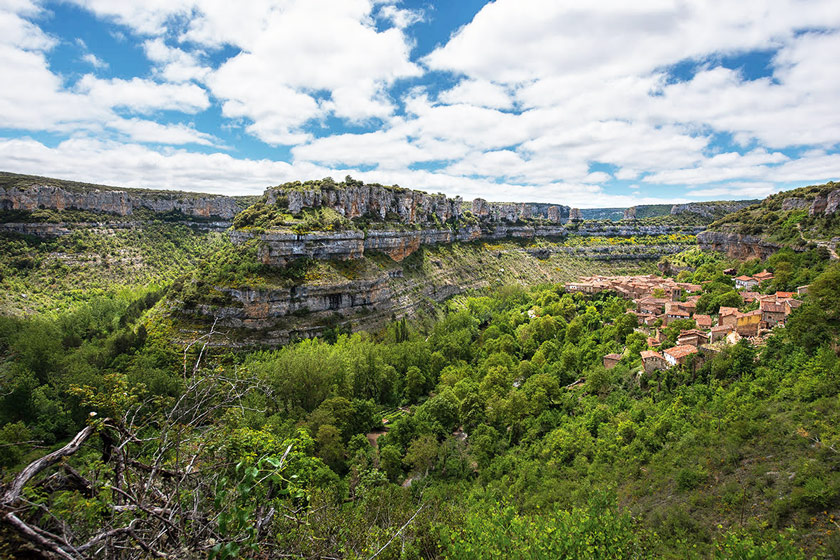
(606, 103)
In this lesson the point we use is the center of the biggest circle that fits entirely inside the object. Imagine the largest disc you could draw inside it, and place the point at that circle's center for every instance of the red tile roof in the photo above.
(647, 354)
(703, 320)
(772, 307)
(678, 352)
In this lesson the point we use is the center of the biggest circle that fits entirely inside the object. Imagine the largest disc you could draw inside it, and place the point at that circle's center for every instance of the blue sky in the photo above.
(587, 104)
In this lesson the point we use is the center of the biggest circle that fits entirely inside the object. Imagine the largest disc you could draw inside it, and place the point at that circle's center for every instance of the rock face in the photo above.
(709, 210)
(574, 215)
(736, 245)
(376, 292)
(794, 203)
(826, 204)
(119, 202)
(513, 212)
(279, 248)
(630, 213)
(819, 206)
(832, 202)
(407, 206)
(404, 205)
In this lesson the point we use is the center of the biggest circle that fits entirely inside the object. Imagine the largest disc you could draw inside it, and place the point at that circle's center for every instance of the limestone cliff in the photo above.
(711, 210)
(736, 245)
(355, 200)
(515, 212)
(278, 248)
(366, 293)
(29, 193)
(778, 221)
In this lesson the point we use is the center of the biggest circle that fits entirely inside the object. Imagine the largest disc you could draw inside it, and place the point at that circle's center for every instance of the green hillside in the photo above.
(784, 218)
(484, 425)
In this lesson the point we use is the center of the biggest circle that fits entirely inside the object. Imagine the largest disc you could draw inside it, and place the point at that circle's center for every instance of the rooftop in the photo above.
(678, 352)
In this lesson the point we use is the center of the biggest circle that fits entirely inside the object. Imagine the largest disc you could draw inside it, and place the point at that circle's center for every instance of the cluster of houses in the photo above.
(659, 302)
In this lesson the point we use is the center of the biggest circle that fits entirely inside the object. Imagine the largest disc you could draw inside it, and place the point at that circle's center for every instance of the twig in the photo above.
(397, 533)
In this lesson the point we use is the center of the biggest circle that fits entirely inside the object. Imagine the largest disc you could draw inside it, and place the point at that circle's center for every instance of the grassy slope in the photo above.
(787, 227)
(39, 275)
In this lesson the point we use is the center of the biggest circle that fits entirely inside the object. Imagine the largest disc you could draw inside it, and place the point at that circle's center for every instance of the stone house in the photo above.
(763, 275)
(719, 332)
(692, 337)
(749, 323)
(678, 354)
(611, 360)
(675, 314)
(652, 305)
(745, 282)
(704, 322)
(772, 313)
(653, 361)
(791, 304)
(728, 316)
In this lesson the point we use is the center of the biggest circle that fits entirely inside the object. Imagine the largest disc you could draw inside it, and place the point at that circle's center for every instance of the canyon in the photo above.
(29, 193)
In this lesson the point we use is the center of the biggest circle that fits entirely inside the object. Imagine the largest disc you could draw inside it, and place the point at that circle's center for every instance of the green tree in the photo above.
(330, 448)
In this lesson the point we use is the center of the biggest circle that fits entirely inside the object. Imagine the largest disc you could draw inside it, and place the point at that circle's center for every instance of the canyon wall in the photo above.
(278, 248)
(826, 204)
(518, 211)
(710, 210)
(405, 205)
(736, 245)
(120, 202)
(356, 201)
(374, 292)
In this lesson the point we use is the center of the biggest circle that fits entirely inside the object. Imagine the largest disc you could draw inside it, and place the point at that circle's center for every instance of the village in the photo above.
(661, 301)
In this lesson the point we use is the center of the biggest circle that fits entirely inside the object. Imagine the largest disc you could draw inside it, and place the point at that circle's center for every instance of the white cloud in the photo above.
(300, 60)
(401, 17)
(94, 61)
(139, 130)
(174, 64)
(477, 92)
(143, 96)
(544, 92)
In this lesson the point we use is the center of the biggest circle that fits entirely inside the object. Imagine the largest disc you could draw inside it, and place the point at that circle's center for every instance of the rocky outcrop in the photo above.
(832, 203)
(515, 212)
(356, 201)
(404, 205)
(279, 248)
(794, 203)
(710, 210)
(735, 245)
(825, 204)
(575, 215)
(112, 201)
(60, 229)
(630, 213)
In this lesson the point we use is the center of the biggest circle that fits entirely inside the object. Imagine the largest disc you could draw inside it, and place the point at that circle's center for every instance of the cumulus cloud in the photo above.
(545, 100)
(143, 96)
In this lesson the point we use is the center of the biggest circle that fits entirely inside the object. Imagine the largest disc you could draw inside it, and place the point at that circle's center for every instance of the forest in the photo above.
(490, 430)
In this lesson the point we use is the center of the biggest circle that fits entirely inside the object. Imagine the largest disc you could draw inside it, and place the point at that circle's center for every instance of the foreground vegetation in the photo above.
(492, 432)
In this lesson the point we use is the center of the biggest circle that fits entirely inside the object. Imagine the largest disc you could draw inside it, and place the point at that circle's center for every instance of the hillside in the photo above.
(335, 373)
(799, 218)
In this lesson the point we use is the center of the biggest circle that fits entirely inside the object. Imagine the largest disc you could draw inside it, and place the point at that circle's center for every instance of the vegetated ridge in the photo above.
(30, 193)
(799, 218)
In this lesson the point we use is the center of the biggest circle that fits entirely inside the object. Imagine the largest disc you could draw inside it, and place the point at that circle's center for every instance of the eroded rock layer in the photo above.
(120, 202)
(278, 248)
